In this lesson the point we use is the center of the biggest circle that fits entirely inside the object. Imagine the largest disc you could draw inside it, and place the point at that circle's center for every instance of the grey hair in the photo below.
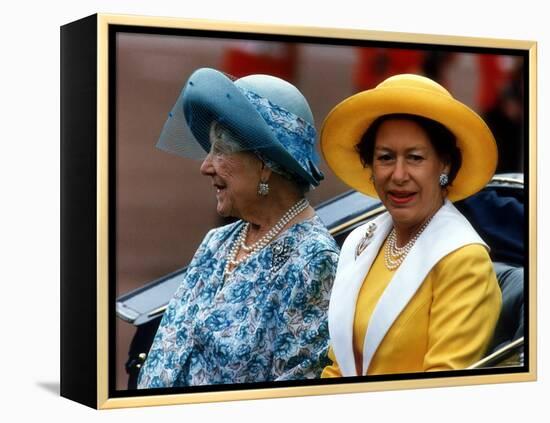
(225, 141)
(228, 143)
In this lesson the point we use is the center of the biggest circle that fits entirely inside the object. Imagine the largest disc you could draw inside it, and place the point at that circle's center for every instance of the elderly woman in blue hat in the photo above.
(252, 306)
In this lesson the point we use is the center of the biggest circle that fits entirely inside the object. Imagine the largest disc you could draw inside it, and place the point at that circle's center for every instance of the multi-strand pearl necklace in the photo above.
(394, 255)
(239, 243)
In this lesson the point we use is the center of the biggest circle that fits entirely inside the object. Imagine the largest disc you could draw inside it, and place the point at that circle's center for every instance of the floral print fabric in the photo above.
(267, 321)
(294, 133)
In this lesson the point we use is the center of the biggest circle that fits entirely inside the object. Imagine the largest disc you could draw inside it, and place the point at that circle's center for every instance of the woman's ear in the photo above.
(265, 172)
(446, 168)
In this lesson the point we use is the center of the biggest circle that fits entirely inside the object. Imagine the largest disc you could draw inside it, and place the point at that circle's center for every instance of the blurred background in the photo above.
(164, 207)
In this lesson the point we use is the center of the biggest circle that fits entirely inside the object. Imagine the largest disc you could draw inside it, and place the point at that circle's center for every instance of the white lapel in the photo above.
(348, 281)
(448, 231)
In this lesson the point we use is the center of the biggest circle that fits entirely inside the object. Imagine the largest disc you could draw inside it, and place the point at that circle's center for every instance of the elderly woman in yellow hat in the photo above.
(415, 289)
(252, 305)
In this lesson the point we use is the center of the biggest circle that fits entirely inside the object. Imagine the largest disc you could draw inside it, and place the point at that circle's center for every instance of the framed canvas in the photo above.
(133, 216)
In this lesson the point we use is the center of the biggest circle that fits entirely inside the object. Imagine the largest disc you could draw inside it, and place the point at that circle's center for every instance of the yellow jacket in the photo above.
(446, 323)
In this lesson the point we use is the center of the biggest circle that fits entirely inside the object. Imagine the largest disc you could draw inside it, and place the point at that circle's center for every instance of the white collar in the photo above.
(451, 230)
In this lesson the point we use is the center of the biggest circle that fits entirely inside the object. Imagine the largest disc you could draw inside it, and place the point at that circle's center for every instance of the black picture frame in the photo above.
(90, 166)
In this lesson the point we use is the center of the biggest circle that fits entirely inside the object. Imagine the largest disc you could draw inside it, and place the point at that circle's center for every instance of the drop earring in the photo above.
(263, 189)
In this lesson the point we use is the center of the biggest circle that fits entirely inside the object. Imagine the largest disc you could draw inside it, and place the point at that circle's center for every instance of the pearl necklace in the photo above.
(394, 255)
(239, 243)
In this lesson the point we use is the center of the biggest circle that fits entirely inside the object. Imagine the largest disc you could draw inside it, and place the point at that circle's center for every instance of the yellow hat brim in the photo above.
(348, 121)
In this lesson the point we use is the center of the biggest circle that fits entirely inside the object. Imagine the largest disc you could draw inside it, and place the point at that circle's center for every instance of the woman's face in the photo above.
(235, 175)
(406, 172)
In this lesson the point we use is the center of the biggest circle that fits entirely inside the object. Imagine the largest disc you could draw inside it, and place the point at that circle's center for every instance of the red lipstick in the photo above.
(401, 197)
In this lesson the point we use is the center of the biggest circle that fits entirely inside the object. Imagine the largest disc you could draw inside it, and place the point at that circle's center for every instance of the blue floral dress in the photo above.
(267, 321)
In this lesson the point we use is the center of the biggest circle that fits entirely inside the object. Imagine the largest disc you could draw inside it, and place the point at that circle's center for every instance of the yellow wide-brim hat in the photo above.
(345, 125)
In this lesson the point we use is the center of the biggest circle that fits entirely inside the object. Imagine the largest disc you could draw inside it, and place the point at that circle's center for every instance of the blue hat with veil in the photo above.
(265, 114)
